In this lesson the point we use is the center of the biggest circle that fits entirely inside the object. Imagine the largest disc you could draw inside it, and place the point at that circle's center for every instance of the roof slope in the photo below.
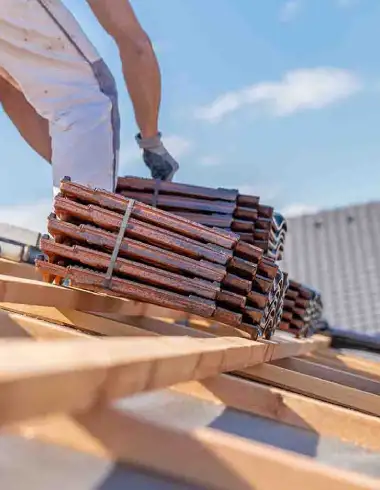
(338, 252)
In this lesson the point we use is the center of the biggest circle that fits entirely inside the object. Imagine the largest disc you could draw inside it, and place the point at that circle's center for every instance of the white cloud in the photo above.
(298, 209)
(32, 216)
(289, 10)
(298, 90)
(177, 145)
(210, 161)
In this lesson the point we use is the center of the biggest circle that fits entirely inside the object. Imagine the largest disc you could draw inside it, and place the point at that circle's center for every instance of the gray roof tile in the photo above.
(338, 253)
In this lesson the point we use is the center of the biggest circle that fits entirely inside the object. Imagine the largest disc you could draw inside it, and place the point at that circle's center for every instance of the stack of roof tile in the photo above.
(302, 309)
(255, 223)
(163, 259)
(277, 236)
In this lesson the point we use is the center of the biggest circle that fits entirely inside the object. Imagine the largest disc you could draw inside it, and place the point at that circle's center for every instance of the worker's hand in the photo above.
(161, 164)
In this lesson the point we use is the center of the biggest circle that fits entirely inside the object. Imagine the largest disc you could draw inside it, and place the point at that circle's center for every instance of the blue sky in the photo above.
(279, 98)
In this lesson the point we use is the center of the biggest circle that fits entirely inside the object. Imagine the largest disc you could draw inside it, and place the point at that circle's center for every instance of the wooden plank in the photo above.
(213, 327)
(205, 457)
(288, 346)
(162, 327)
(91, 324)
(46, 377)
(330, 374)
(19, 269)
(285, 346)
(314, 387)
(296, 410)
(13, 326)
(348, 363)
(140, 315)
(116, 325)
(281, 346)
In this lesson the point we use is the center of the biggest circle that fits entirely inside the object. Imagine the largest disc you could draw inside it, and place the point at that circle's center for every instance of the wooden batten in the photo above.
(72, 375)
(324, 419)
(314, 387)
(205, 457)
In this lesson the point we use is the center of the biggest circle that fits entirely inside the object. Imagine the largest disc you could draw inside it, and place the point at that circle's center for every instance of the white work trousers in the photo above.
(62, 76)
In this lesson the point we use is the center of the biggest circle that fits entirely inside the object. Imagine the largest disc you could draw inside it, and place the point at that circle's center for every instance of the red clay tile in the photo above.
(145, 185)
(68, 210)
(231, 299)
(94, 281)
(136, 250)
(134, 270)
(172, 203)
(150, 215)
(244, 200)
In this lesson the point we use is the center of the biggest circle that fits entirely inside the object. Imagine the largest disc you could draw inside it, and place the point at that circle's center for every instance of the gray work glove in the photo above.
(157, 158)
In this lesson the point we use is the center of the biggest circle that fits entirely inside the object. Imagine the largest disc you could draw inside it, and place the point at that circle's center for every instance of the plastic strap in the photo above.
(119, 239)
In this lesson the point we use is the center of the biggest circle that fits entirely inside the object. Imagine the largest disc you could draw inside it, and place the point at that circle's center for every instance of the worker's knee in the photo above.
(80, 117)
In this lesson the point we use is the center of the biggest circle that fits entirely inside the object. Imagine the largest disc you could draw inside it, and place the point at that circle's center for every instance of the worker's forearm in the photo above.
(140, 66)
(142, 77)
(32, 127)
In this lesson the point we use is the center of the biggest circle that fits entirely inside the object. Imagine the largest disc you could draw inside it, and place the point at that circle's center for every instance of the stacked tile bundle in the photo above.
(277, 237)
(160, 258)
(255, 223)
(302, 309)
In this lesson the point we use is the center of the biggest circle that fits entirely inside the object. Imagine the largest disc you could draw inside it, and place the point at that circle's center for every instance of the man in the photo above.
(61, 96)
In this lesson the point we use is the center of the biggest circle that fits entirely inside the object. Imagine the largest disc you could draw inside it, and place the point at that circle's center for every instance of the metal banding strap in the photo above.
(119, 239)
(155, 192)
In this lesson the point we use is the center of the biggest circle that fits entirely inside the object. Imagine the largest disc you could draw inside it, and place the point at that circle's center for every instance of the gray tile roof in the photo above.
(338, 253)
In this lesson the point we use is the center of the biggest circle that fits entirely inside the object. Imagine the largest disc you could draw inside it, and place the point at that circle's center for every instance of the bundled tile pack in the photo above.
(211, 265)
(110, 243)
(255, 223)
(302, 309)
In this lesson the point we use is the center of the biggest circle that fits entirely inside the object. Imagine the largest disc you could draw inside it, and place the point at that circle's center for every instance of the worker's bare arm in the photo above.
(140, 66)
(119, 20)
(33, 127)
